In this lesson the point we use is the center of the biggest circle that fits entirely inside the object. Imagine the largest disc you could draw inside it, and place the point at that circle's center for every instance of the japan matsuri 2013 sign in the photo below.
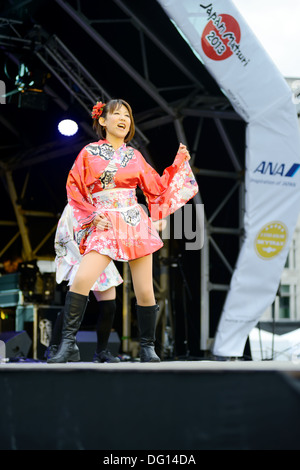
(225, 44)
(221, 37)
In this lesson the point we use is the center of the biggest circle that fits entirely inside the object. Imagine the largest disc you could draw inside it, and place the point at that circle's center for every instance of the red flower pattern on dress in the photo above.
(98, 110)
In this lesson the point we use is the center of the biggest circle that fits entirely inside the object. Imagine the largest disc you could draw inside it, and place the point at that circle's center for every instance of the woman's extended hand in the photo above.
(102, 222)
(183, 149)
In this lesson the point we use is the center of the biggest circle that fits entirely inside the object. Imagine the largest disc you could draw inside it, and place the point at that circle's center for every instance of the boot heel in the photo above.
(148, 354)
(74, 357)
(66, 353)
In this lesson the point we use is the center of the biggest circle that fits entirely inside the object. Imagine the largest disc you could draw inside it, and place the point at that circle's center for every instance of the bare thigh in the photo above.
(142, 278)
(90, 268)
(109, 294)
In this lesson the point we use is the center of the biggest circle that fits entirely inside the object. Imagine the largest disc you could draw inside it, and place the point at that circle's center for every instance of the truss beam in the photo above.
(142, 27)
(84, 23)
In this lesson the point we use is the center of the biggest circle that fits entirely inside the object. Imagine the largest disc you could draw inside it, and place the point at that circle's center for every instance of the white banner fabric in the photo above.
(223, 41)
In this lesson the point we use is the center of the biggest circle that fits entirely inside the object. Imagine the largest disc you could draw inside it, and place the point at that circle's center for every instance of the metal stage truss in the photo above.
(195, 108)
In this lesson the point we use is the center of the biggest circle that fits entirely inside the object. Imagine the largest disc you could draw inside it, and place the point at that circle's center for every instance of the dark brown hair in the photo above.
(110, 107)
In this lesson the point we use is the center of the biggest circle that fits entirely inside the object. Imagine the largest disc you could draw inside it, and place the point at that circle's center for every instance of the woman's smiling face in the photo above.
(117, 123)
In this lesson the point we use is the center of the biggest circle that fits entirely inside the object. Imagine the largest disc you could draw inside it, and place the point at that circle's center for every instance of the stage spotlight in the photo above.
(29, 89)
(68, 127)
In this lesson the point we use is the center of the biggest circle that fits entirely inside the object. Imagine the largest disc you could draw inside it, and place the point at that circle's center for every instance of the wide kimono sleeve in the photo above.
(167, 193)
(80, 176)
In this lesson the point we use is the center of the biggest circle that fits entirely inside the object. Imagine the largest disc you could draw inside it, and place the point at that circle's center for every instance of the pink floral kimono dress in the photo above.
(104, 180)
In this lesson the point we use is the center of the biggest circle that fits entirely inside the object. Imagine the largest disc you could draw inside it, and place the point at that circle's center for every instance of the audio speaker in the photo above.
(15, 344)
(87, 343)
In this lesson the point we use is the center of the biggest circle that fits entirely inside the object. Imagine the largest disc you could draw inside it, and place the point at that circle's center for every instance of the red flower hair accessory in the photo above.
(98, 110)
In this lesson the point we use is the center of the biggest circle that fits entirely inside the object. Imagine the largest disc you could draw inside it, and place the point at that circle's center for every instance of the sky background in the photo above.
(276, 23)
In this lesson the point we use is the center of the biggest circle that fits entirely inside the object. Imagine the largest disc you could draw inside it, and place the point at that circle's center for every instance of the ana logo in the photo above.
(279, 169)
(221, 36)
(270, 240)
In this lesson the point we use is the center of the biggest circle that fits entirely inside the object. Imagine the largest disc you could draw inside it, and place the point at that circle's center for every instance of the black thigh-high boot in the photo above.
(74, 309)
(107, 311)
(147, 317)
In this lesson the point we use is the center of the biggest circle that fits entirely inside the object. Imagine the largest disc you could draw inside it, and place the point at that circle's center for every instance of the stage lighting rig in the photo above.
(29, 82)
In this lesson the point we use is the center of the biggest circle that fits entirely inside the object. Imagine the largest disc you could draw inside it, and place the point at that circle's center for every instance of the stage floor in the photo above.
(164, 366)
(172, 405)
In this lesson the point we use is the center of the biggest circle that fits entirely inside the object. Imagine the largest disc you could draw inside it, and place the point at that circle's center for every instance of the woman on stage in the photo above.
(109, 223)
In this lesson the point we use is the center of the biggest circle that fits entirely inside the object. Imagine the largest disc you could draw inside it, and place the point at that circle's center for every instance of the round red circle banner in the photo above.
(219, 40)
